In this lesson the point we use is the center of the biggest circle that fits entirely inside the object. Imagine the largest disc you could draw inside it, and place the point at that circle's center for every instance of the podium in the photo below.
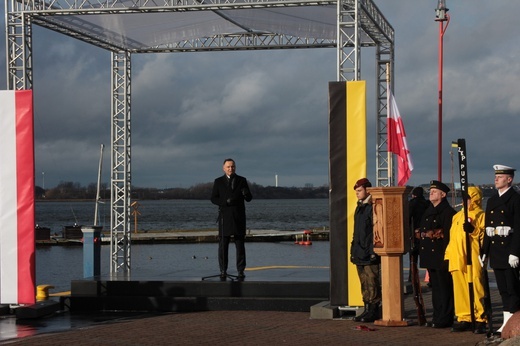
(391, 235)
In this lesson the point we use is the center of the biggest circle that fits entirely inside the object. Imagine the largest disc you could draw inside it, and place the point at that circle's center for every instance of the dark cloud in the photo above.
(268, 109)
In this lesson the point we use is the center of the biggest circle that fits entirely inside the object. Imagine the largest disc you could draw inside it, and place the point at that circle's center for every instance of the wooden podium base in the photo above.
(387, 323)
(392, 291)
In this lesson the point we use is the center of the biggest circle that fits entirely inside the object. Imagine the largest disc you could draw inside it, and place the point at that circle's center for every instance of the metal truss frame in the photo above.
(121, 176)
(359, 24)
(365, 19)
(385, 173)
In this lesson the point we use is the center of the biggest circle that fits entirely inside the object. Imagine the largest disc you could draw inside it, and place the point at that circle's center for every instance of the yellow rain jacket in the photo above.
(456, 254)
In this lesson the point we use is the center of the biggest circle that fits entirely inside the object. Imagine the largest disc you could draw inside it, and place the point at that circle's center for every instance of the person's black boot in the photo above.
(372, 314)
(358, 318)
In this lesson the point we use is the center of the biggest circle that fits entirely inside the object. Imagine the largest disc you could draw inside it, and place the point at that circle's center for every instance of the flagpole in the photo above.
(389, 156)
(441, 17)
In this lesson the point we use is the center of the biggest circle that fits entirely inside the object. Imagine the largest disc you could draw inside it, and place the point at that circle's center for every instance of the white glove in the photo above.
(481, 260)
(513, 261)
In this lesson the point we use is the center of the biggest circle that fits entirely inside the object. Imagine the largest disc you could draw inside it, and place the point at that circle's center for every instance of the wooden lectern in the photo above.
(391, 241)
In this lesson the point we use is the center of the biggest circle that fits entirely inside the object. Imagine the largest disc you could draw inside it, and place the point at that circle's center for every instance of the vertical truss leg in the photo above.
(120, 162)
(18, 31)
(384, 168)
(348, 47)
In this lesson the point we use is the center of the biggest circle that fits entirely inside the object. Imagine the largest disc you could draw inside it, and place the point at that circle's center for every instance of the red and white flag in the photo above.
(397, 140)
(17, 262)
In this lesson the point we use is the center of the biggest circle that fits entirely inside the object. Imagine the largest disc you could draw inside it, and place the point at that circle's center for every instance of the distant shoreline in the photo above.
(200, 236)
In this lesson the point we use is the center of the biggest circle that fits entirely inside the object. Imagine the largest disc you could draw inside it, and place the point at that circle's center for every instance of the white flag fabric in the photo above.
(17, 242)
(397, 140)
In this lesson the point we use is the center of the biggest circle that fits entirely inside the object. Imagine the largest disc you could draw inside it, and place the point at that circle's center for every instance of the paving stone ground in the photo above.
(259, 328)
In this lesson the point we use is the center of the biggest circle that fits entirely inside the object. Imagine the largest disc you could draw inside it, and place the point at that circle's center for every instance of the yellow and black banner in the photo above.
(347, 164)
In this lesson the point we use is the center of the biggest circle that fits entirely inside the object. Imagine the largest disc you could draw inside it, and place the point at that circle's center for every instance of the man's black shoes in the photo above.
(241, 275)
(480, 327)
(223, 275)
(437, 325)
(461, 327)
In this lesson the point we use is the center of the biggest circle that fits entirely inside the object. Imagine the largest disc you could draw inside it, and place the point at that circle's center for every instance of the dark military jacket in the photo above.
(436, 221)
(362, 245)
(502, 211)
(416, 209)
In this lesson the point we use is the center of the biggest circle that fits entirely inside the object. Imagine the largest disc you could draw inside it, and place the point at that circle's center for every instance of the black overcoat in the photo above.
(431, 251)
(229, 195)
(502, 211)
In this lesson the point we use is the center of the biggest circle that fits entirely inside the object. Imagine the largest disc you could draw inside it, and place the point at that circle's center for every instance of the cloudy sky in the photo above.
(268, 109)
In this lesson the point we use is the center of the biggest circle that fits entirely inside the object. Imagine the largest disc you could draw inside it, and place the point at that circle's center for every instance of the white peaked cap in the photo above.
(501, 169)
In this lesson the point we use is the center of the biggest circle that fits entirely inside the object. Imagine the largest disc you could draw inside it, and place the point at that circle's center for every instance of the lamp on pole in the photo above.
(443, 18)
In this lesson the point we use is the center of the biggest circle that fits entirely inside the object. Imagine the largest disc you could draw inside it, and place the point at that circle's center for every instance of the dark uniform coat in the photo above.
(229, 195)
(431, 251)
(436, 222)
(416, 208)
(502, 211)
(362, 245)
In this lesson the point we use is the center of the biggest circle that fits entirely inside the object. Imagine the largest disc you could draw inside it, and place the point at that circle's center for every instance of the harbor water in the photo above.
(59, 265)
(273, 214)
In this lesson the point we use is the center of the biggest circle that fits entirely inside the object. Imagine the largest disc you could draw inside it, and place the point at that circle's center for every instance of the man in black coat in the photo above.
(502, 240)
(434, 234)
(229, 193)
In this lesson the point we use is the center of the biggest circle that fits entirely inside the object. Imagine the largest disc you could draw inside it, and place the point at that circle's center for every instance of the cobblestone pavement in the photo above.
(257, 328)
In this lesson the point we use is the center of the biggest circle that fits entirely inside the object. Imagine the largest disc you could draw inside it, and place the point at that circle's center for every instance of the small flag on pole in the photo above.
(397, 140)
(17, 244)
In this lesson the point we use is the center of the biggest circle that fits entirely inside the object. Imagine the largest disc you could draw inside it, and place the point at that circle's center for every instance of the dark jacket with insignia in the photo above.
(502, 211)
(229, 195)
(416, 208)
(436, 220)
(362, 245)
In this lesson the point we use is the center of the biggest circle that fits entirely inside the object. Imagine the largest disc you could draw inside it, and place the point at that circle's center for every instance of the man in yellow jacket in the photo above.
(456, 253)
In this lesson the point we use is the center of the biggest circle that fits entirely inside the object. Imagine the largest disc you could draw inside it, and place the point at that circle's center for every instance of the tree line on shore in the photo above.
(73, 190)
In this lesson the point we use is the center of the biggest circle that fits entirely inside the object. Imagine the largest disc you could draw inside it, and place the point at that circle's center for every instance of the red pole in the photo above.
(441, 17)
(439, 102)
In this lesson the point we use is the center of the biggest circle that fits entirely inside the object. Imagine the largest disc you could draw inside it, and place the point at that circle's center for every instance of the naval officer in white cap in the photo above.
(502, 240)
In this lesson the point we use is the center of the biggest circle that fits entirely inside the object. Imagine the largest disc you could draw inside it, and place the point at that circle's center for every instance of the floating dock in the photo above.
(200, 236)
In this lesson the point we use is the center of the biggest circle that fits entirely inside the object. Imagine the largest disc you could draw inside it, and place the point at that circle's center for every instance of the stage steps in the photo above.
(203, 295)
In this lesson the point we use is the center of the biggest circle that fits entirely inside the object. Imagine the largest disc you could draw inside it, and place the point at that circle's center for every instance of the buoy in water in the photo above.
(307, 233)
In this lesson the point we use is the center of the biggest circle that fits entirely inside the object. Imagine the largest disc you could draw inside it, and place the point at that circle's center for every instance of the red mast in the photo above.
(443, 18)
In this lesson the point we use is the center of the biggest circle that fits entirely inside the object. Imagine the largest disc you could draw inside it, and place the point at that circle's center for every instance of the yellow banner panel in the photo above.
(356, 167)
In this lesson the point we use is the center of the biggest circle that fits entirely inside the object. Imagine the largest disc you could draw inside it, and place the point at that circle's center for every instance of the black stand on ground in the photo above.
(222, 277)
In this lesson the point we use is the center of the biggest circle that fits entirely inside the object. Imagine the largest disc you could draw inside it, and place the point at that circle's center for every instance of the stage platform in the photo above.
(152, 294)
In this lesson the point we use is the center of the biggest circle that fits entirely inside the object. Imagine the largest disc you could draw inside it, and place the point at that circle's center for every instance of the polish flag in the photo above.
(397, 140)
(17, 243)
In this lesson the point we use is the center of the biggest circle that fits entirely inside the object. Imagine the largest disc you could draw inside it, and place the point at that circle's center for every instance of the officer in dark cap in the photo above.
(434, 235)
(502, 240)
